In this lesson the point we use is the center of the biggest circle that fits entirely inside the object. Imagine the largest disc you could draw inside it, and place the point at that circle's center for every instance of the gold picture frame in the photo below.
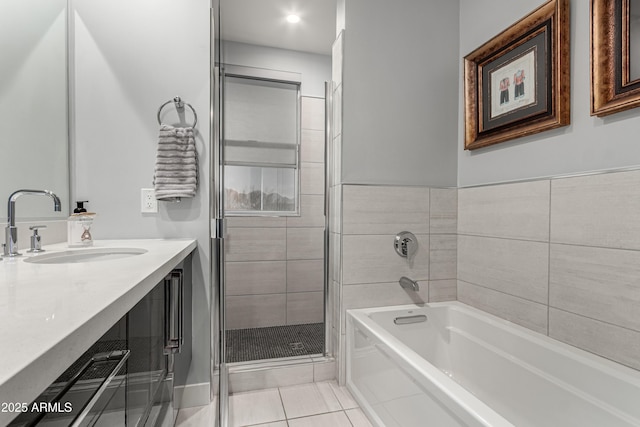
(612, 89)
(518, 83)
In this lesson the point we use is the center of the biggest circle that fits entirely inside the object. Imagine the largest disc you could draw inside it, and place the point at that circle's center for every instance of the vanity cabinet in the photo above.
(127, 377)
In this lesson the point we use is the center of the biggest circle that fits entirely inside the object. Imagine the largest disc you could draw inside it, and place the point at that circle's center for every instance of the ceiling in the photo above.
(263, 22)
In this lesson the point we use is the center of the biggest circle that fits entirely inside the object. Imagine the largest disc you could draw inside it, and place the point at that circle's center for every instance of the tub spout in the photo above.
(407, 283)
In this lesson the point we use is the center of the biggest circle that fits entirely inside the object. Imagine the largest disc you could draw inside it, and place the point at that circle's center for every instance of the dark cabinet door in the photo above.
(126, 378)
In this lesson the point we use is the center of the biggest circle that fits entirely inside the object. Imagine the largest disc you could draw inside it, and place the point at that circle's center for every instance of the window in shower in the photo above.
(261, 146)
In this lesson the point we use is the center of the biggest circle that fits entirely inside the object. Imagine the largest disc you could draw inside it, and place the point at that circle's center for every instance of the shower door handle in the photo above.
(174, 312)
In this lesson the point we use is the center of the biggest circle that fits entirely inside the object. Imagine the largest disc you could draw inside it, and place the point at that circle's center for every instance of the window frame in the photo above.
(274, 76)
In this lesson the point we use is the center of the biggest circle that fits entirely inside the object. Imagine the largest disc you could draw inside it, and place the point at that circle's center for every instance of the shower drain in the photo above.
(296, 346)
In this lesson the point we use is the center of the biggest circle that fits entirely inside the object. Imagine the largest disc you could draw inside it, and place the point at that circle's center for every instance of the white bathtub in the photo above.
(463, 367)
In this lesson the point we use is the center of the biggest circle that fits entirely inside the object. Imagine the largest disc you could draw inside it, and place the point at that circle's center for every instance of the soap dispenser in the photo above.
(79, 226)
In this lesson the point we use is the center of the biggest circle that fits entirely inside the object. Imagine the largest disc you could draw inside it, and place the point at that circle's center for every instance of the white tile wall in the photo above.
(305, 243)
(256, 222)
(369, 209)
(373, 259)
(565, 249)
(599, 283)
(443, 255)
(305, 275)
(311, 212)
(305, 307)
(278, 255)
(256, 244)
(311, 178)
(256, 277)
(607, 340)
(443, 290)
(312, 146)
(443, 210)
(526, 313)
(517, 211)
(366, 267)
(516, 267)
(597, 210)
(255, 311)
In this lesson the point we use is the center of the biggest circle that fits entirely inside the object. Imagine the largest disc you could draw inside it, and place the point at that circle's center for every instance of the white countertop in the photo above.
(51, 313)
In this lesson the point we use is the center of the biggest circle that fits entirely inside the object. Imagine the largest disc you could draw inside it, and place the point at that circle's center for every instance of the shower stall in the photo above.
(269, 204)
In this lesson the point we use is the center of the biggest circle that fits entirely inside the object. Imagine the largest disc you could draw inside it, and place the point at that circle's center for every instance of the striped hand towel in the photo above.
(176, 172)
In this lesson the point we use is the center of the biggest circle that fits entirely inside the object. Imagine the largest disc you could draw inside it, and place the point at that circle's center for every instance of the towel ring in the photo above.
(179, 106)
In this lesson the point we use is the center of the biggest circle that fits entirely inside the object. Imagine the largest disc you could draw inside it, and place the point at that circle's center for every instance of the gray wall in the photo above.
(589, 143)
(400, 96)
(315, 69)
(129, 60)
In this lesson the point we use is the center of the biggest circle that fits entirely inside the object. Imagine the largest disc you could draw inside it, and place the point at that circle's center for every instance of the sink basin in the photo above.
(85, 255)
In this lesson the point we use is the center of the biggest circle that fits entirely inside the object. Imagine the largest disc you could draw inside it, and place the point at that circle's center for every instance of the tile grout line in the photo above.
(283, 408)
(502, 292)
(549, 264)
(549, 307)
(604, 322)
(430, 195)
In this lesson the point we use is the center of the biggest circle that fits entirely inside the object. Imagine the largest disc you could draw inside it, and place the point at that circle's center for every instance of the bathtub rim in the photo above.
(473, 405)
(446, 387)
(617, 369)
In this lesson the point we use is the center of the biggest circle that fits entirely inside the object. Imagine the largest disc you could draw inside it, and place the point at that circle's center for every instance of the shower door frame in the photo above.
(218, 232)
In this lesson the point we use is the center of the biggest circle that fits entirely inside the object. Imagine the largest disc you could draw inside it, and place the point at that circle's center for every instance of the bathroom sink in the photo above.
(85, 255)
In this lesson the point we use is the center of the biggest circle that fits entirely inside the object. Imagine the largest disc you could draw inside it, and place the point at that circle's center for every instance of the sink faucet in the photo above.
(11, 231)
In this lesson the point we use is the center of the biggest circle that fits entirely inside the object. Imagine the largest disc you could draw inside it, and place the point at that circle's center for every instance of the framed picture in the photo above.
(615, 56)
(518, 83)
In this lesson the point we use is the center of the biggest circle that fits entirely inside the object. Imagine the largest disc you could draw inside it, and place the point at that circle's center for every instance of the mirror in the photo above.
(34, 105)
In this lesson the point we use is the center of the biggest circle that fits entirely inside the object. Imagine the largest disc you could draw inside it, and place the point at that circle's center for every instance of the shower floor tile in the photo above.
(274, 342)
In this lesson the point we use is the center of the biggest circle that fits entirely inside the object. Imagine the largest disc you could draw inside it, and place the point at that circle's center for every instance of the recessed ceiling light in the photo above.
(293, 19)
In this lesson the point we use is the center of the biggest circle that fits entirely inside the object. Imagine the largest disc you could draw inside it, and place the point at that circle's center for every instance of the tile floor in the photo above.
(323, 404)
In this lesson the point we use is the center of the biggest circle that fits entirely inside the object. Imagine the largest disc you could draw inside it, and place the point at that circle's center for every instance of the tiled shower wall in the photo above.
(274, 265)
(559, 256)
(370, 267)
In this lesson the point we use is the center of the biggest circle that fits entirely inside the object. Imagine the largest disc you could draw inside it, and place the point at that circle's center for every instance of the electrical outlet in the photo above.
(148, 202)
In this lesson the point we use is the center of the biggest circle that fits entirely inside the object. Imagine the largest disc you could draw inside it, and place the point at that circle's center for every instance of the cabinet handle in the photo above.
(123, 355)
(120, 356)
(174, 312)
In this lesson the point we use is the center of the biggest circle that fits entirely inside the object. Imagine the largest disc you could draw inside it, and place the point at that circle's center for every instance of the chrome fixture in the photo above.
(11, 231)
(407, 283)
(406, 244)
(179, 103)
(405, 320)
(36, 239)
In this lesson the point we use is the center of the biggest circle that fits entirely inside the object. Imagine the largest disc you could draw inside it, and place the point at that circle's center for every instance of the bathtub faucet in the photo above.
(407, 283)
(11, 231)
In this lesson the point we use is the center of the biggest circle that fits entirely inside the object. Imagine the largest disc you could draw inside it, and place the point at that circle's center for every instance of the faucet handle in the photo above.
(36, 239)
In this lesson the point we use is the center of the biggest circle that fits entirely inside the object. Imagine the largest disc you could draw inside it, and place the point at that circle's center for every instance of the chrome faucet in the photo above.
(11, 231)
(407, 283)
